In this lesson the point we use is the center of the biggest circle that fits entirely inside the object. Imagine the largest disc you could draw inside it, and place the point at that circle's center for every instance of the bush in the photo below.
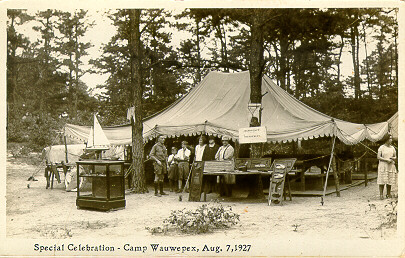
(35, 131)
(204, 219)
(390, 220)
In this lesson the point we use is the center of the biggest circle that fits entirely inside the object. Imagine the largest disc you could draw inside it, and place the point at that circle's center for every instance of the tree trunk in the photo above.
(380, 62)
(256, 59)
(357, 73)
(76, 88)
(283, 63)
(353, 35)
(222, 39)
(198, 52)
(367, 65)
(396, 56)
(12, 88)
(138, 175)
(256, 72)
(342, 44)
(277, 61)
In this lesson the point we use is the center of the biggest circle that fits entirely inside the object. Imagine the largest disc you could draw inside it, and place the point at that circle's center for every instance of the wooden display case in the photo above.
(102, 184)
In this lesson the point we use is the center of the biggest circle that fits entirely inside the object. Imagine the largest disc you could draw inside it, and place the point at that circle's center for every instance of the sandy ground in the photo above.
(40, 213)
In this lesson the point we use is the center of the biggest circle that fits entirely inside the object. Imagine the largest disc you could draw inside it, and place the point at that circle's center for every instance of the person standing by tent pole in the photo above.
(158, 153)
(386, 166)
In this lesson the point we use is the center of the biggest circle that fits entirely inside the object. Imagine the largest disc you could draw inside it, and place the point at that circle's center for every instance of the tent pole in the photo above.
(336, 176)
(327, 172)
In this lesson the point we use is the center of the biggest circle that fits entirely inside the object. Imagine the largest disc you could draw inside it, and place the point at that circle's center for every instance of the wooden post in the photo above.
(335, 175)
(365, 172)
(237, 148)
(66, 150)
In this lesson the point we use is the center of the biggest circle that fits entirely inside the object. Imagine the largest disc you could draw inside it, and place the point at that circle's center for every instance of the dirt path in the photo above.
(40, 213)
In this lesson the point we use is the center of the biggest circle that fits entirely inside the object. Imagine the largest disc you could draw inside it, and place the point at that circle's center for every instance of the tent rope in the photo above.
(352, 161)
(346, 134)
(320, 157)
(129, 170)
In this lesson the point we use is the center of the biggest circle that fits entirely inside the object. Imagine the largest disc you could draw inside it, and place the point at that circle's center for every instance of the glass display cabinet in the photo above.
(101, 184)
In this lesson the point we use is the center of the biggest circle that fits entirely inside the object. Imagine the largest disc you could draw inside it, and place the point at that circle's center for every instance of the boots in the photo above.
(156, 190)
(161, 189)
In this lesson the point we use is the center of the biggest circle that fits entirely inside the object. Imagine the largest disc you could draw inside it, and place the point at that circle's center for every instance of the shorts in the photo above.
(184, 170)
(160, 169)
(159, 178)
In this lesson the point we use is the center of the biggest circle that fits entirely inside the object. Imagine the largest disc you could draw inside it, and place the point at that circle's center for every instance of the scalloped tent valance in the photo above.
(218, 106)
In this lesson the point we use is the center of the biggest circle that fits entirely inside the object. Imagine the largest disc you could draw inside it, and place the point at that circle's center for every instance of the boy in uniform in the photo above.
(159, 154)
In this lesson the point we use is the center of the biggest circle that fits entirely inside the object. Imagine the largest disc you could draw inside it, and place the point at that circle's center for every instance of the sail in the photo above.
(97, 138)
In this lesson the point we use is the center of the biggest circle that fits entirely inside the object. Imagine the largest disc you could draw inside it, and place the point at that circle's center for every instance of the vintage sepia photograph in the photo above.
(186, 129)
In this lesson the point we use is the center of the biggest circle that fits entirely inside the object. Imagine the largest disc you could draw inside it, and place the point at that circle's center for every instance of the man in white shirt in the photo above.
(226, 151)
(199, 149)
(182, 157)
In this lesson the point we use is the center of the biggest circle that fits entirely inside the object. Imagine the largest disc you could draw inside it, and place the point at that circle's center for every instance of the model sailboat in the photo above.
(97, 139)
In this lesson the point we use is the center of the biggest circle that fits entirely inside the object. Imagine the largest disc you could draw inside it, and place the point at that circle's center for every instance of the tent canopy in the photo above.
(218, 106)
(393, 126)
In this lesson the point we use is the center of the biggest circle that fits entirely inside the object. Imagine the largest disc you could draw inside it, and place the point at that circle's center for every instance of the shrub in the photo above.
(390, 220)
(204, 219)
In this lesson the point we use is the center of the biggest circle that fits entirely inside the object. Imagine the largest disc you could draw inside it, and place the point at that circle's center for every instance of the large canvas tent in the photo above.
(218, 106)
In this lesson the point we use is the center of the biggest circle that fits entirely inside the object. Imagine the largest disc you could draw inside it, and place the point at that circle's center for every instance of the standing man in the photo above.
(226, 152)
(159, 154)
(183, 157)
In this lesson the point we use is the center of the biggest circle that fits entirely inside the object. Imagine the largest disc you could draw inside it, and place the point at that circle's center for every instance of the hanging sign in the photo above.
(252, 134)
(131, 113)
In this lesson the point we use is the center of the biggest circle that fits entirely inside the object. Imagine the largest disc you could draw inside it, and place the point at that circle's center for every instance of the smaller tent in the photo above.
(57, 153)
